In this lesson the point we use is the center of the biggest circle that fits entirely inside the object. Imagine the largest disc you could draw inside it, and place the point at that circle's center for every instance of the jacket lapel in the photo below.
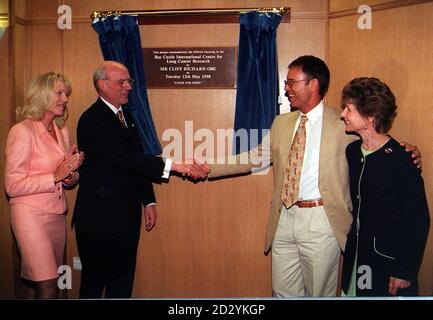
(45, 136)
(61, 139)
(328, 139)
(286, 138)
(114, 123)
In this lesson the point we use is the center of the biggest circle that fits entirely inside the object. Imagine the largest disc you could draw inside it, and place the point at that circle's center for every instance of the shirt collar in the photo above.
(316, 113)
(113, 108)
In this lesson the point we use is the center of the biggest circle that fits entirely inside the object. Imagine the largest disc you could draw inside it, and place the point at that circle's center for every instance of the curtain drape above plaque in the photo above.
(257, 77)
(119, 39)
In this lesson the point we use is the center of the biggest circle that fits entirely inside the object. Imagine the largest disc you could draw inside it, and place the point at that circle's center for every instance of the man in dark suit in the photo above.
(115, 181)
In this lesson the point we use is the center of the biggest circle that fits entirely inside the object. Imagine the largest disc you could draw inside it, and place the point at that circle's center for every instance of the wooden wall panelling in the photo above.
(398, 51)
(4, 7)
(42, 9)
(7, 289)
(341, 5)
(46, 49)
(13, 49)
(20, 54)
(200, 247)
(209, 237)
(344, 6)
(19, 7)
(300, 37)
(19, 82)
(192, 248)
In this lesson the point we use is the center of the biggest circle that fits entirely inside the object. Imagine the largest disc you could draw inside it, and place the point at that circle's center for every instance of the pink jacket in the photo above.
(32, 156)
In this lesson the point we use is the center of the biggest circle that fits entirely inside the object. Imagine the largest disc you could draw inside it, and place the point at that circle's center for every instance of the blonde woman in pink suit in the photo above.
(40, 163)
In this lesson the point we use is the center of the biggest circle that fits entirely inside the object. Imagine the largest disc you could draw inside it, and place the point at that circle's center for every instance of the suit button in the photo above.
(357, 196)
(362, 159)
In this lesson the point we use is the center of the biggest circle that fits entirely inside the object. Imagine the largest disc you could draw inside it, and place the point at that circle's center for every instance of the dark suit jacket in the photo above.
(115, 176)
(390, 204)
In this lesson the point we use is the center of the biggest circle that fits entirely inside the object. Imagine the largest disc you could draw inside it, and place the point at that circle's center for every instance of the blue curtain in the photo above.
(119, 39)
(257, 77)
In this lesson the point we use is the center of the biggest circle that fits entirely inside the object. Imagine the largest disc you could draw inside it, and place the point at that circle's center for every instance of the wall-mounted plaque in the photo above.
(204, 67)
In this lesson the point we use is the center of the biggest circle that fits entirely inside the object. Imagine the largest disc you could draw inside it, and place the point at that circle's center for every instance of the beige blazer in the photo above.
(333, 169)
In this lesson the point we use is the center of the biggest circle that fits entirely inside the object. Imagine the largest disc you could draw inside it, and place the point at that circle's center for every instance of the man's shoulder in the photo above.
(94, 109)
(283, 121)
(286, 116)
(332, 116)
(332, 111)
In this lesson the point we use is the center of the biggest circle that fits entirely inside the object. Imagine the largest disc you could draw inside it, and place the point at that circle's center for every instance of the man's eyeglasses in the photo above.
(123, 82)
(289, 83)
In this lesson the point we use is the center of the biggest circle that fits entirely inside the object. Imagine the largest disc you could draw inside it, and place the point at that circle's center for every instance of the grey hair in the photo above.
(101, 71)
(99, 74)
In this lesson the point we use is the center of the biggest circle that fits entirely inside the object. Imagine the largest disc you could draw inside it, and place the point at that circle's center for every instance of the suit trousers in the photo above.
(305, 254)
(108, 262)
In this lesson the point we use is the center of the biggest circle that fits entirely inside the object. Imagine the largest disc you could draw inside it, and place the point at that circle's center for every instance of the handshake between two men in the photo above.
(194, 169)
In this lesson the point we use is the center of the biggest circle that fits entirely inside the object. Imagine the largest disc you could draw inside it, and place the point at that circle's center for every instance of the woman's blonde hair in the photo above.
(38, 97)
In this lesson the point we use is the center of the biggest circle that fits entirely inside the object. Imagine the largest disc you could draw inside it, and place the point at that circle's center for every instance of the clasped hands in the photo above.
(69, 165)
(194, 169)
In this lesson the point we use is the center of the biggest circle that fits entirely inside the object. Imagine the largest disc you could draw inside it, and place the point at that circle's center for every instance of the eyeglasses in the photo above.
(289, 83)
(122, 82)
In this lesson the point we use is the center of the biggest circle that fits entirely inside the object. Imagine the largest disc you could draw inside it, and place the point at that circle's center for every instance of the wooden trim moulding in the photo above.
(85, 20)
(193, 16)
(377, 7)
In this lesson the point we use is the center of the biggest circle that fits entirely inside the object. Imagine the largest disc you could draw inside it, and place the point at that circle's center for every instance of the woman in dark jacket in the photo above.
(386, 242)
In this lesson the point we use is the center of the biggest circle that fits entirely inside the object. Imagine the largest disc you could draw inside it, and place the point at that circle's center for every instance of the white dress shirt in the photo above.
(309, 184)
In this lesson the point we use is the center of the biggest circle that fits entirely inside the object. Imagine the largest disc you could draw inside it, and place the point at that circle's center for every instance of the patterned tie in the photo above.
(292, 177)
(122, 118)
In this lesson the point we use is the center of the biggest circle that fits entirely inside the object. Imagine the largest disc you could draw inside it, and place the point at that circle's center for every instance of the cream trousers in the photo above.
(305, 254)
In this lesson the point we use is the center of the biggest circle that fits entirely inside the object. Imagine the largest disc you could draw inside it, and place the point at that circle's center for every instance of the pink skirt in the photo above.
(41, 239)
